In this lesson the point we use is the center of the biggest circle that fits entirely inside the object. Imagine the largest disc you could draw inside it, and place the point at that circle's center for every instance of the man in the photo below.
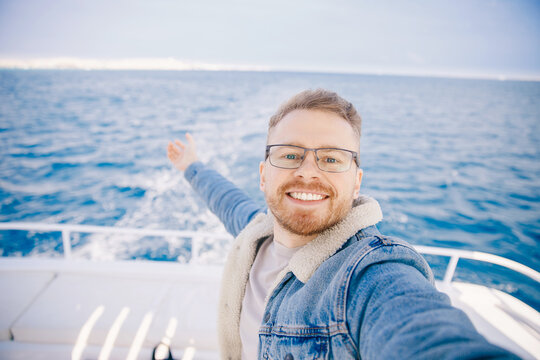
(313, 277)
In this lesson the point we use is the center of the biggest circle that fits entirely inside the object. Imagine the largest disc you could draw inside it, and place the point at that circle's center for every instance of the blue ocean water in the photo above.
(453, 163)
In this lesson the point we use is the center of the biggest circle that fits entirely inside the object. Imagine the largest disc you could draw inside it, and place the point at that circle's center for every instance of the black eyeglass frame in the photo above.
(354, 156)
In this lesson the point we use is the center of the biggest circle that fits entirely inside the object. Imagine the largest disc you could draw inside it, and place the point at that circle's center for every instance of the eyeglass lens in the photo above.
(291, 157)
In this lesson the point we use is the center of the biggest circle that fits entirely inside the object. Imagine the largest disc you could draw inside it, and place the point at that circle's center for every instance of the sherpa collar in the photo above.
(365, 212)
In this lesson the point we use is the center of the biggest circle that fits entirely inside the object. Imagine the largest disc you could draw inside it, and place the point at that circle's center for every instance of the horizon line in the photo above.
(172, 64)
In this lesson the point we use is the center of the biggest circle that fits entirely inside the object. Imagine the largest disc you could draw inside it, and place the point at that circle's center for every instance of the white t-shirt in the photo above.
(270, 260)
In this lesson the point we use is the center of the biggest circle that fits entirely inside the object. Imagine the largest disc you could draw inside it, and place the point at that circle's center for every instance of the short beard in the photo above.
(305, 223)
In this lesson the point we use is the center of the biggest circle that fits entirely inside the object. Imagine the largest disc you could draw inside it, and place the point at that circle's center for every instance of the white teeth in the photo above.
(306, 196)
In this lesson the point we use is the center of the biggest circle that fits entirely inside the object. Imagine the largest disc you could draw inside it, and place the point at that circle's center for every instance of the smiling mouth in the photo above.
(306, 196)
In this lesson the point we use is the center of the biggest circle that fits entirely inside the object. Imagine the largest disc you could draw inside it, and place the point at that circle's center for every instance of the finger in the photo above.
(179, 143)
(173, 151)
(171, 148)
(190, 139)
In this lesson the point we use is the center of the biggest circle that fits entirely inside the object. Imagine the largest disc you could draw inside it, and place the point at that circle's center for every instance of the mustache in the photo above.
(315, 186)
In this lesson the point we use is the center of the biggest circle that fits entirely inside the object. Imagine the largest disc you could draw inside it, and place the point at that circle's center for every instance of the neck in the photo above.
(288, 239)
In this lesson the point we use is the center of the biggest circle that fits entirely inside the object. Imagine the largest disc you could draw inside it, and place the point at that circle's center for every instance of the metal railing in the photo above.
(197, 236)
(455, 255)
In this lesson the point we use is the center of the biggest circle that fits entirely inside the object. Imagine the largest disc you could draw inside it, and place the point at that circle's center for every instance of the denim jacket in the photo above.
(351, 293)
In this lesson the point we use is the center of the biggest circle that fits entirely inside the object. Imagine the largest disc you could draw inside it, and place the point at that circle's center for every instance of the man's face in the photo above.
(284, 188)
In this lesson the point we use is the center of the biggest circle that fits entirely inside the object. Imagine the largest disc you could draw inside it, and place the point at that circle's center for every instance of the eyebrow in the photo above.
(326, 146)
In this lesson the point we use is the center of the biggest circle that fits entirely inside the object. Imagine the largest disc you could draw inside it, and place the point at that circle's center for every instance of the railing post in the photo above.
(195, 249)
(450, 269)
(67, 243)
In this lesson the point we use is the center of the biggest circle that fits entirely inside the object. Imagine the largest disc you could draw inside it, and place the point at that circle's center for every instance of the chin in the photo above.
(306, 225)
(307, 222)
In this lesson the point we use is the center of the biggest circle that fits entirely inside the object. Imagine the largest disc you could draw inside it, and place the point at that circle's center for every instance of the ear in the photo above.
(358, 182)
(261, 175)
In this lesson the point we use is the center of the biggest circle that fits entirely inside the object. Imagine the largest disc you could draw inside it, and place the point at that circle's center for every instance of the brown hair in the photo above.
(322, 100)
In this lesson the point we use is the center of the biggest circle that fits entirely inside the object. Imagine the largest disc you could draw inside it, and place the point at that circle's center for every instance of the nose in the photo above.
(308, 168)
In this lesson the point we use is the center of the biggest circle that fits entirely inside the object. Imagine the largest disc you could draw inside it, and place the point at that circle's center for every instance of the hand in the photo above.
(182, 155)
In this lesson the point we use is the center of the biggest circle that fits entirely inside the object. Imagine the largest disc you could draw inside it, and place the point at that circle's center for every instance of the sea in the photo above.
(453, 162)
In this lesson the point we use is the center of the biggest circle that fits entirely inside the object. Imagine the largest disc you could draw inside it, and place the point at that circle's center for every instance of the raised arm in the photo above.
(232, 206)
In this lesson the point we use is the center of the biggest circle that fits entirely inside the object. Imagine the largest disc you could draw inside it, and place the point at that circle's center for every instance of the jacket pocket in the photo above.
(290, 347)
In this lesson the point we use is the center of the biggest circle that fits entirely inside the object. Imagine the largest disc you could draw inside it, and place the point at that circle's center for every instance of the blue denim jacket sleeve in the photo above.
(402, 316)
(232, 206)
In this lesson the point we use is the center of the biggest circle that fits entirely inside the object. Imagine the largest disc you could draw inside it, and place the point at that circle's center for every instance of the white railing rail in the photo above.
(455, 255)
(197, 237)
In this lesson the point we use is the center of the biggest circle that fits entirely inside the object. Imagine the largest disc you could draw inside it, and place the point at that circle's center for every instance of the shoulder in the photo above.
(369, 247)
(369, 260)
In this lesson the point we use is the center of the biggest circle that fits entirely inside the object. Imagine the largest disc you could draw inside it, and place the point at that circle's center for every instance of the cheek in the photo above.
(273, 184)
(347, 187)
(267, 180)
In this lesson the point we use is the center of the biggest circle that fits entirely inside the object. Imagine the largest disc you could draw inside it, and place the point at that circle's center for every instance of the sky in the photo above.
(498, 38)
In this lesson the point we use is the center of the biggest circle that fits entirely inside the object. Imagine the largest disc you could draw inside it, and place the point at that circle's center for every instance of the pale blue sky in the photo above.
(473, 36)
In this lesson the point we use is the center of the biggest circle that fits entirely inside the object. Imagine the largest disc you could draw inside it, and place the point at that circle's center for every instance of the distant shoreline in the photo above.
(170, 64)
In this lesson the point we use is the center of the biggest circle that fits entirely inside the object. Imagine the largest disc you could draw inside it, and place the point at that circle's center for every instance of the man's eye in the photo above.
(331, 160)
(290, 157)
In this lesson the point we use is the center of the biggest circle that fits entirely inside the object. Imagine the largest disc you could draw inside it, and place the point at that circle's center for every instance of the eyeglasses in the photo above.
(328, 159)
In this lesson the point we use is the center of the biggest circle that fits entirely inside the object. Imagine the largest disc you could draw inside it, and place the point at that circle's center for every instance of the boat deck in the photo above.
(77, 309)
